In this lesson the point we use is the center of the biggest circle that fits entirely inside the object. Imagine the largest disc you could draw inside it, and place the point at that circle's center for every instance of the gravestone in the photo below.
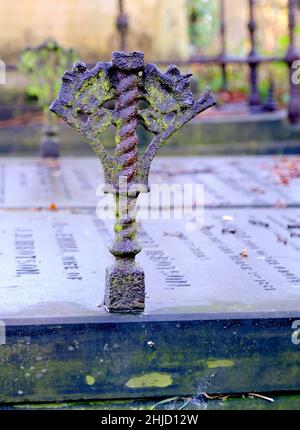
(267, 279)
(228, 293)
(223, 291)
(260, 181)
(217, 318)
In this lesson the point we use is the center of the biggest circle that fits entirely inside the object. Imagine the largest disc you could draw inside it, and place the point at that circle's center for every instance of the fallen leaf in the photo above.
(52, 207)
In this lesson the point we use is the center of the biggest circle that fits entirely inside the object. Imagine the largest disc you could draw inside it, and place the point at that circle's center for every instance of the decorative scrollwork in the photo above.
(170, 105)
(127, 79)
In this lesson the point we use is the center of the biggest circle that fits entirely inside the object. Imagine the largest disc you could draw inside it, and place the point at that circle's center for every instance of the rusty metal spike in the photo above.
(127, 80)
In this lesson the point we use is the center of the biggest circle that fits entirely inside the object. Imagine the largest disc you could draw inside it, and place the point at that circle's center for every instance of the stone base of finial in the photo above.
(125, 288)
(49, 146)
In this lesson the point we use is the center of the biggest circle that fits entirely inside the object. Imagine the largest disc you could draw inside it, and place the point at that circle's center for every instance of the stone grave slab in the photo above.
(222, 319)
(234, 181)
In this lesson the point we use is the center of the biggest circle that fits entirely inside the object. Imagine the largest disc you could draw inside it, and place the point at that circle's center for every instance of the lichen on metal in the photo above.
(44, 65)
(83, 102)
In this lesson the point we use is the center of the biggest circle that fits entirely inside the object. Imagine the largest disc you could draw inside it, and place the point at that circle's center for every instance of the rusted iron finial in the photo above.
(127, 80)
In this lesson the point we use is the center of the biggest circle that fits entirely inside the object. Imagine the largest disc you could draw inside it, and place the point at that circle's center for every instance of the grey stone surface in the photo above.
(53, 264)
(232, 181)
(34, 183)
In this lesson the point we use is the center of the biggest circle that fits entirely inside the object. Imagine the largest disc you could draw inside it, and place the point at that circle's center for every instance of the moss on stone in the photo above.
(148, 380)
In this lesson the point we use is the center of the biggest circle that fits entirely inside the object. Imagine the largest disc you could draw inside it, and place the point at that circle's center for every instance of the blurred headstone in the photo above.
(44, 64)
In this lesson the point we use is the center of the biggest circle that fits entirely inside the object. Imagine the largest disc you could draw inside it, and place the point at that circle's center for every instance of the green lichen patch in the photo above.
(148, 380)
(90, 380)
(213, 364)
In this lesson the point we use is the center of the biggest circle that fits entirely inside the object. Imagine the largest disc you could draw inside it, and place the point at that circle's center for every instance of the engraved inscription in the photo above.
(73, 183)
(290, 277)
(163, 263)
(185, 269)
(242, 264)
(68, 248)
(194, 248)
(25, 257)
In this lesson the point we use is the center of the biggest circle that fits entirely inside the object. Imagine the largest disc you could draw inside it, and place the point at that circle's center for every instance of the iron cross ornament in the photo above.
(170, 105)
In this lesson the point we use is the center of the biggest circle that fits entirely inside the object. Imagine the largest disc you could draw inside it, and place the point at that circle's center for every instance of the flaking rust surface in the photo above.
(168, 104)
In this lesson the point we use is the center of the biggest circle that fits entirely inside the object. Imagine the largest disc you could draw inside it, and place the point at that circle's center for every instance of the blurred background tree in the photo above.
(272, 39)
(169, 30)
(203, 24)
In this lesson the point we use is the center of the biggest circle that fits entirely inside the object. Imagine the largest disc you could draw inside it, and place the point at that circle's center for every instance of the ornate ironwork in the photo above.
(170, 105)
(292, 55)
(254, 60)
(223, 45)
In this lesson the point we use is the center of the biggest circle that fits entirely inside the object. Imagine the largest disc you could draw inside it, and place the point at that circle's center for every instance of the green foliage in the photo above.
(203, 22)
(278, 74)
(44, 65)
(238, 80)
